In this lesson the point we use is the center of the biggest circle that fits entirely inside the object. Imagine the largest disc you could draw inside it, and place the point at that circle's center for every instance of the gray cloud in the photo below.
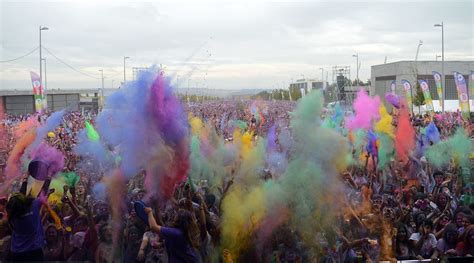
(262, 44)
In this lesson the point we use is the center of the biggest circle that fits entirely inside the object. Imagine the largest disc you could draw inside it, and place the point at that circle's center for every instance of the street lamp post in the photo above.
(45, 79)
(102, 89)
(357, 68)
(124, 78)
(322, 78)
(45, 96)
(442, 64)
(41, 28)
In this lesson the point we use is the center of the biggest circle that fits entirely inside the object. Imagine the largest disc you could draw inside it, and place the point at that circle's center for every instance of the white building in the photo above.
(308, 84)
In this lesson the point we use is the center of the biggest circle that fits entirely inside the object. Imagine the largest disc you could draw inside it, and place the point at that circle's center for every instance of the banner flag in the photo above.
(37, 91)
(472, 88)
(461, 86)
(439, 87)
(407, 88)
(426, 93)
(393, 86)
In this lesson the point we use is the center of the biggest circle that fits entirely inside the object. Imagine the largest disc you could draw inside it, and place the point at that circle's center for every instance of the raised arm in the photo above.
(151, 220)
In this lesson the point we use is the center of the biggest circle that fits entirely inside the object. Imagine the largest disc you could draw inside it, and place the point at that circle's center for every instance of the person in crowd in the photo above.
(424, 242)
(178, 239)
(27, 230)
(466, 245)
(105, 251)
(188, 227)
(446, 246)
(54, 248)
(403, 248)
(152, 248)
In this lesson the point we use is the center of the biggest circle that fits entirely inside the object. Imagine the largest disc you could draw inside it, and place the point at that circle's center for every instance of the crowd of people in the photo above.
(411, 210)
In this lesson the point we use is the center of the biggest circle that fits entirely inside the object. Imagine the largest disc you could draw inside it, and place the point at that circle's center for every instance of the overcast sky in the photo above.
(224, 44)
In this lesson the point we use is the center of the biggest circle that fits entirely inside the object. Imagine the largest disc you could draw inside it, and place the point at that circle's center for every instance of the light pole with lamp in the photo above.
(41, 28)
(442, 64)
(357, 68)
(124, 78)
(45, 98)
(102, 89)
(322, 79)
(45, 79)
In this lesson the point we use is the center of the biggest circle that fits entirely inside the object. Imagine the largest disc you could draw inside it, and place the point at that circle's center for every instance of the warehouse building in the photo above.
(22, 101)
(382, 75)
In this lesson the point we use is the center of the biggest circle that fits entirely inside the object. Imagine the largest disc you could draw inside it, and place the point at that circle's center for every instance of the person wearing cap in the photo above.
(25, 220)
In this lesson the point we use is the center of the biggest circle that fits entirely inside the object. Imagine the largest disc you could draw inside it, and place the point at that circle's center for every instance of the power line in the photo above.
(69, 66)
(27, 54)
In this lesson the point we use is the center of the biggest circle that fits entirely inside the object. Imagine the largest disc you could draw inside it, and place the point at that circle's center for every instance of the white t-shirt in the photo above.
(428, 246)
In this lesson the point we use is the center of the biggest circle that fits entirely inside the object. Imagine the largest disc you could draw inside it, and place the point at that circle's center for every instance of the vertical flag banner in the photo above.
(426, 93)
(461, 86)
(393, 86)
(439, 87)
(407, 88)
(472, 88)
(37, 91)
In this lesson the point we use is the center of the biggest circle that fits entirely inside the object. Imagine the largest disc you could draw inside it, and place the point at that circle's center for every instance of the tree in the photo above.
(418, 98)
(295, 93)
(263, 95)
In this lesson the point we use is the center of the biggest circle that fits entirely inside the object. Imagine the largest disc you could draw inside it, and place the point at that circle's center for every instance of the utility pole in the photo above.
(45, 79)
(41, 28)
(102, 89)
(418, 50)
(443, 80)
(357, 71)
